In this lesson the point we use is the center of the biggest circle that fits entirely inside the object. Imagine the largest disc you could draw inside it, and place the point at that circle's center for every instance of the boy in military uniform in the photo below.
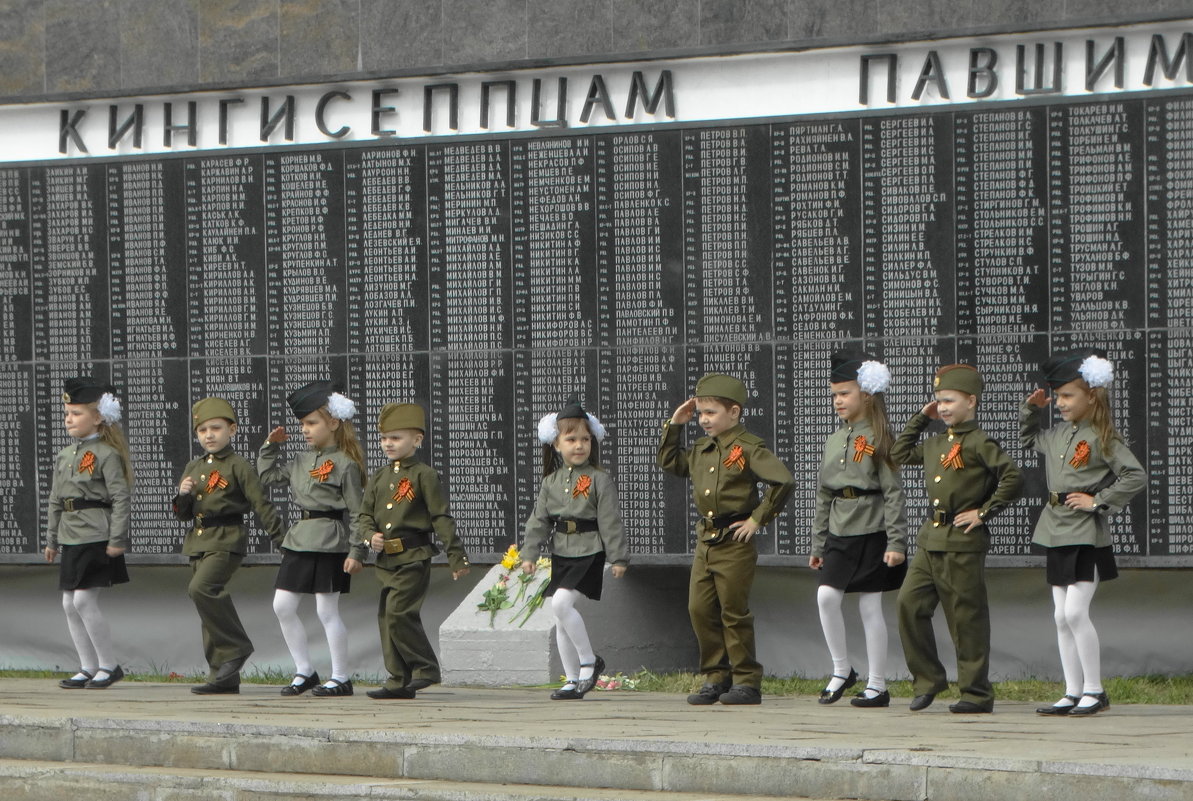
(216, 491)
(725, 466)
(403, 504)
(969, 479)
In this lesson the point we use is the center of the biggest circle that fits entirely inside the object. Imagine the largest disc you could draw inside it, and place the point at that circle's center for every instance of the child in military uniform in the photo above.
(969, 478)
(327, 485)
(216, 491)
(577, 513)
(88, 519)
(859, 530)
(403, 504)
(725, 466)
(1091, 473)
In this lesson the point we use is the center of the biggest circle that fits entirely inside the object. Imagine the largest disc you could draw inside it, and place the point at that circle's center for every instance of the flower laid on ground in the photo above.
(618, 681)
(542, 572)
(496, 598)
(512, 558)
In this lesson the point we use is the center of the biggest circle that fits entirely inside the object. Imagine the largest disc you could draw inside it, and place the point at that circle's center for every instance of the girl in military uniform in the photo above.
(577, 514)
(88, 521)
(1091, 473)
(327, 486)
(860, 527)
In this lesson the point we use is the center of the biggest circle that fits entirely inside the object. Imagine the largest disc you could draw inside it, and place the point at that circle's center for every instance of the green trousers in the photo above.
(719, 606)
(224, 637)
(957, 582)
(404, 644)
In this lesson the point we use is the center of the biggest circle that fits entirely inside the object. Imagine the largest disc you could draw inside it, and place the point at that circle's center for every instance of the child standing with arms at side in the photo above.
(1091, 473)
(859, 531)
(969, 479)
(88, 520)
(403, 505)
(725, 465)
(326, 483)
(577, 513)
(216, 491)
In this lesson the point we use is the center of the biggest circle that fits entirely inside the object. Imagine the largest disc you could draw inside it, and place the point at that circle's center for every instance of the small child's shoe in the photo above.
(741, 694)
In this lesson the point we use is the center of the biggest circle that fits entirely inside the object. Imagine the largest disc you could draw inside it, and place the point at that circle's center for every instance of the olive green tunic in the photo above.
(242, 493)
(558, 499)
(316, 490)
(844, 465)
(104, 481)
(1113, 480)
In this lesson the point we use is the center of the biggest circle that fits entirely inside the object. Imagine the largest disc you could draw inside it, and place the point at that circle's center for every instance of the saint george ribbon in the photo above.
(583, 485)
(1080, 455)
(861, 448)
(735, 458)
(87, 463)
(215, 481)
(321, 472)
(952, 459)
(405, 491)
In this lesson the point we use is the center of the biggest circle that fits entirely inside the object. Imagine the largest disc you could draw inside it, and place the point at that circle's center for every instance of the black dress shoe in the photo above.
(76, 684)
(1059, 710)
(566, 693)
(880, 700)
(1103, 702)
(584, 685)
(385, 693)
(337, 688)
(216, 689)
(308, 682)
(970, 708)
(113, 676)
(833, 696)
(709, 694)
(420, 684)
(922, 702)
(741, 695)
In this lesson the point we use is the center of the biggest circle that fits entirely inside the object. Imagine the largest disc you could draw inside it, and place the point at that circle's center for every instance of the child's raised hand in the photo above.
(617, 570)
(527, 567)
(683, 413)
(51, 554)
(278, 435)
(930, 410)
(1039, 399)
(186, 486)
(353, 566)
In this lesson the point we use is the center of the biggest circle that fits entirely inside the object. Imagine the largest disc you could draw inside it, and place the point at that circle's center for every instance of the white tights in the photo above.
(89, 630)
(832, 620)
(1080, 654)
(327, 606)
(571, 636)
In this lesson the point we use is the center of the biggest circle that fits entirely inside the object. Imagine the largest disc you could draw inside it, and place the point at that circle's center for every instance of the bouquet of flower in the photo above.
(497, 597)
(542, 571)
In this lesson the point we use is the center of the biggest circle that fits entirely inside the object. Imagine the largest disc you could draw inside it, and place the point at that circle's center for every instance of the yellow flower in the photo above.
(542, 562)
(511, 558)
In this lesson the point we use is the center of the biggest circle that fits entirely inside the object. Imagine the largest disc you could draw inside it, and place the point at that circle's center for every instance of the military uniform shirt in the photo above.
(241, 493)
(324, 480)
(420, 507)
(847, 464)
(1113, 480)
(987, 480)
(559, 498)
(722, 485)
(95, 477)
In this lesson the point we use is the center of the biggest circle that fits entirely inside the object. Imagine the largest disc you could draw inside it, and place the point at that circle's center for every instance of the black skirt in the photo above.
(312, 571)
(86, 566)
(854, 564)
(582, 573)
(1069, 564)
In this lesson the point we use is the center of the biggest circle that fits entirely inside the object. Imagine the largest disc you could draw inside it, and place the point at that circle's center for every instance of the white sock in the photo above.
(1078, 598)
(285, 606)
(96, 627)
(327, 605)
(567, 619)
(832, 620)
(874, 624)
(88, 661)
(1070, 662)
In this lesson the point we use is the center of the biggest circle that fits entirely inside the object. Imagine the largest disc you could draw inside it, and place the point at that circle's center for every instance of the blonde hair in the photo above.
(345, 439)
(1100, 417)
(113, 436)
(567, 425)
(876, 412)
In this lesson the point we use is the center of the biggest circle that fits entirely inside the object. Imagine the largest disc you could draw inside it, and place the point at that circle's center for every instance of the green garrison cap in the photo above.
(209, 409)
(718, 385)
(960, 377)
(395, 416)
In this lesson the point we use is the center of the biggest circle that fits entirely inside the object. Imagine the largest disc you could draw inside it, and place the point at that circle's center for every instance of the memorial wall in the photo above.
(488, 274)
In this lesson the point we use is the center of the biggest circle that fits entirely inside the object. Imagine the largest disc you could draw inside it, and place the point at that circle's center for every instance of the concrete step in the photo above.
(34, 780)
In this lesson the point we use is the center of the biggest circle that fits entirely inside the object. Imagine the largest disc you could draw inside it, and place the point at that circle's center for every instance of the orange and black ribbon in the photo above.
(405, 491)
(216, 481)
(583, 485)
(1080, 455)
(861, 448)
(321, 472)
(87, 463)
(953, 458)
(735, 458)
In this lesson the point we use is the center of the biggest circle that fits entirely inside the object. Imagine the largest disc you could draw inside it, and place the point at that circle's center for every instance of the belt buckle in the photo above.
(68, 504)
(394, 545)
(849, 493)
(1054, 498)
(571, 527)
(306, 514)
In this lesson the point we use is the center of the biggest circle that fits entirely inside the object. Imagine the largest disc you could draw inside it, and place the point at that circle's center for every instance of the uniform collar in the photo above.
(582, 466)
(221, 454)
(861, 426)
(89, 438)
(328, 451)
(409, 461)
(964, 428)
(725, 437)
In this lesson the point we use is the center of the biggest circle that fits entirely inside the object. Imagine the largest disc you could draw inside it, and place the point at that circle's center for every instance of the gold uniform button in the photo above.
(391, 486)
(708, 492)
(710, 512)
(842, 461)
(937, 479)
(210, 459)
(712, 469)
(203, 477)
(199, 496)
(388, 526)
(198, 532)
(935, 525)
(936, 501)
(389, 506)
